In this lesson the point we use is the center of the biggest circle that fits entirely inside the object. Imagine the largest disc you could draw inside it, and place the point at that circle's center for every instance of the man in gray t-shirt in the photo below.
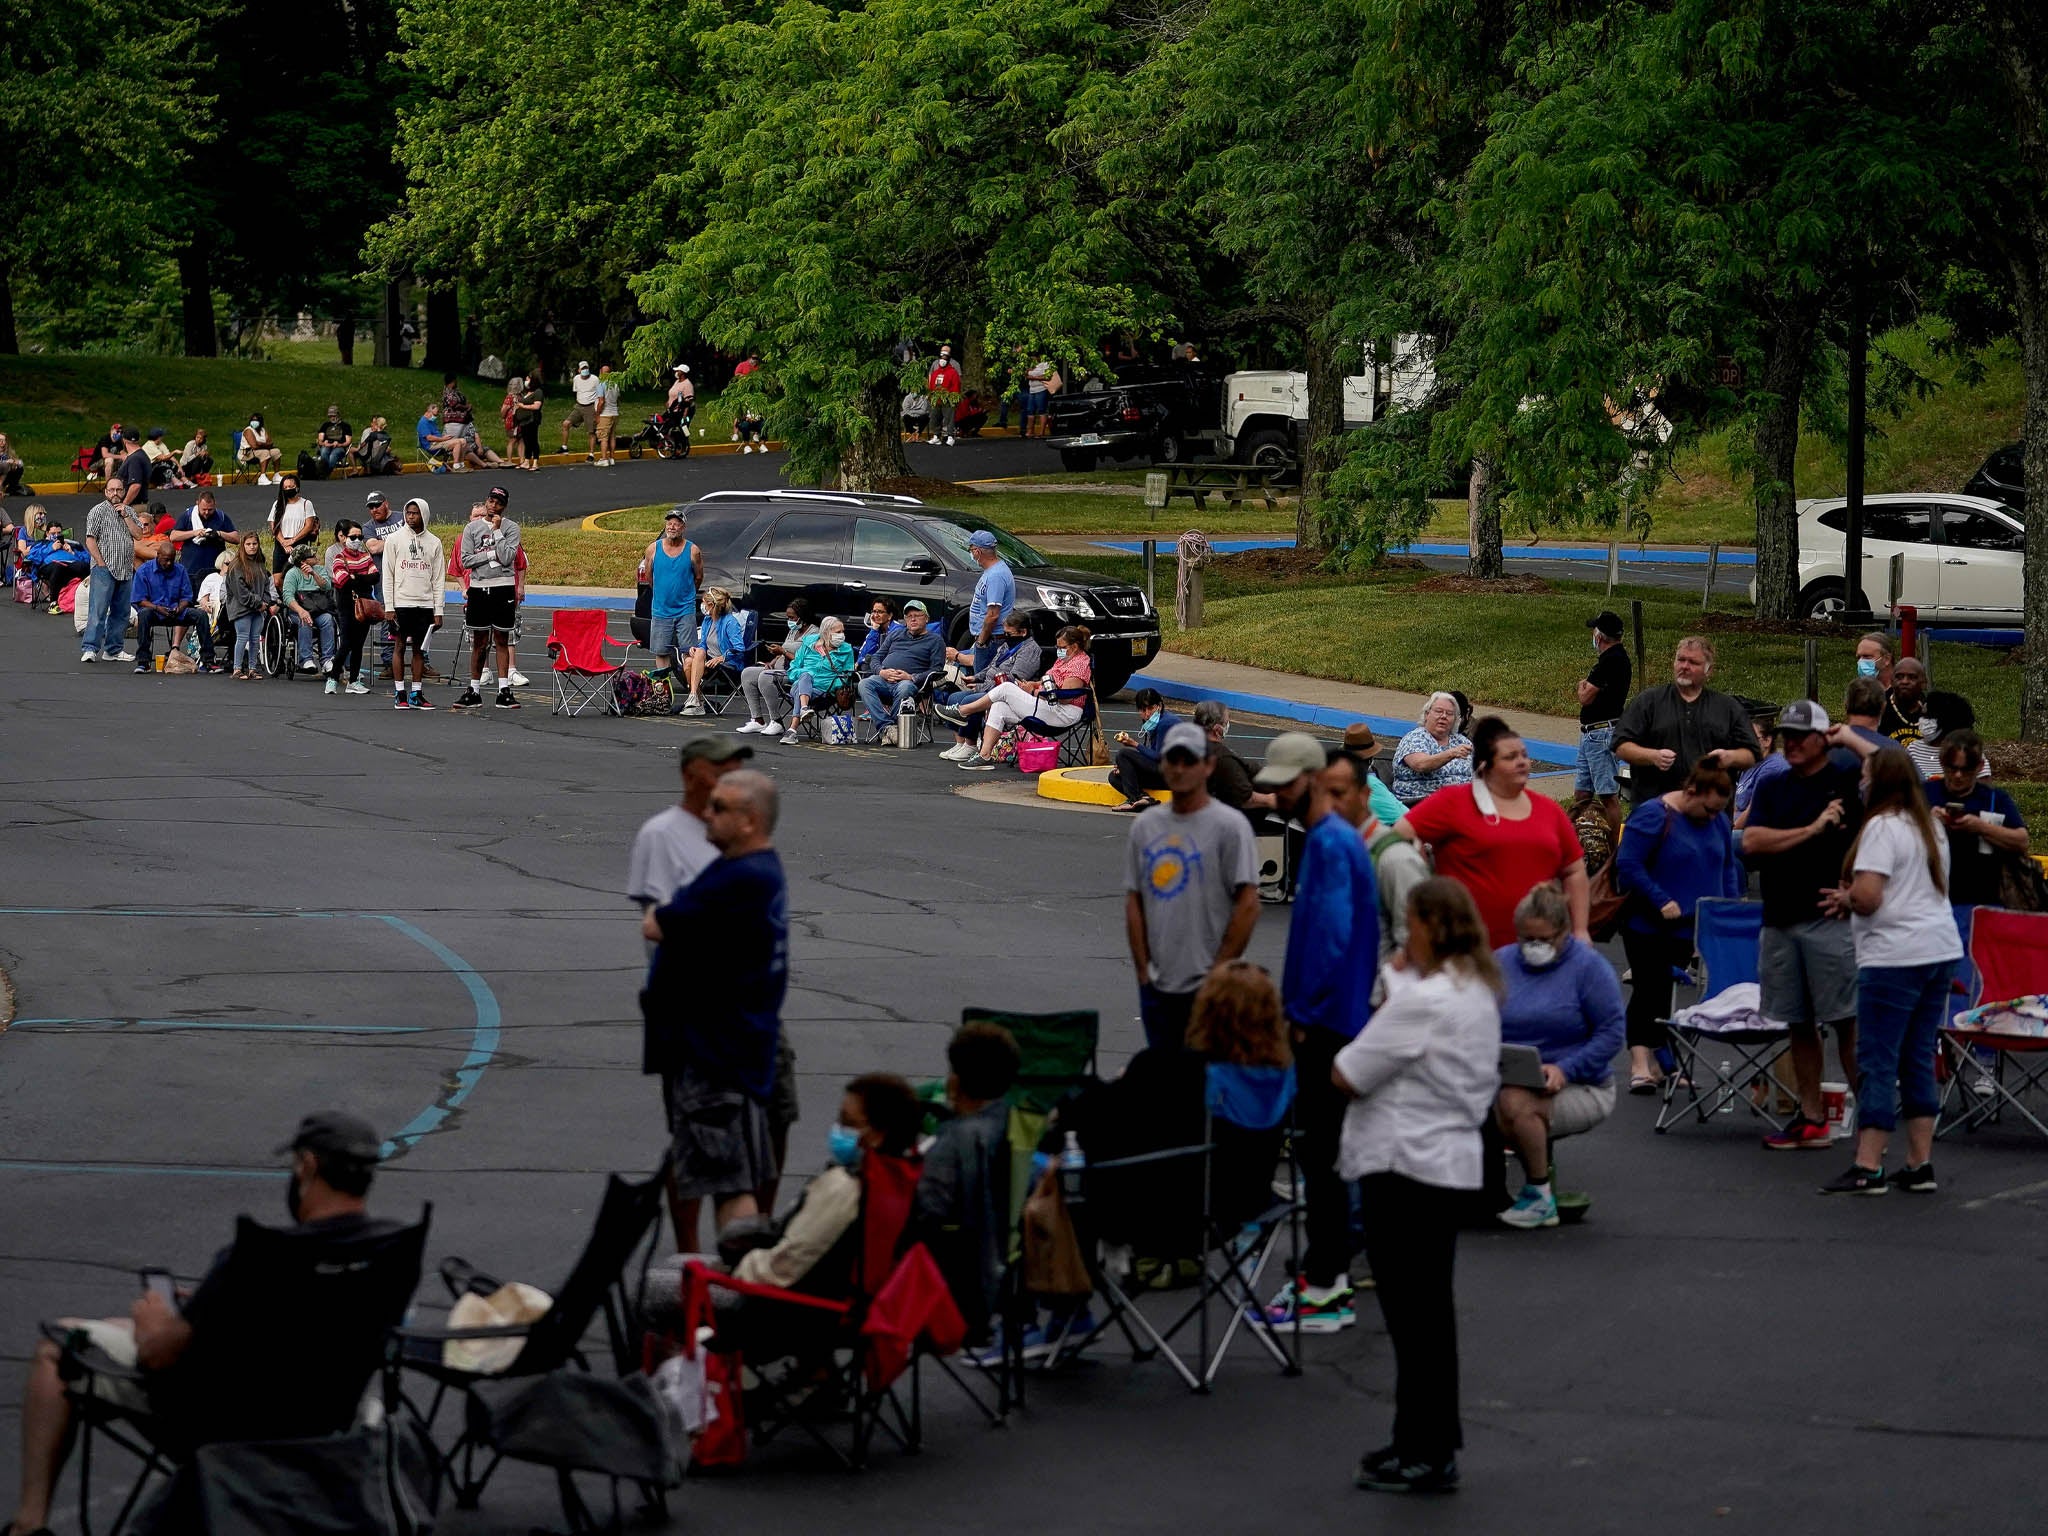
(1191, 888)
(110, 541)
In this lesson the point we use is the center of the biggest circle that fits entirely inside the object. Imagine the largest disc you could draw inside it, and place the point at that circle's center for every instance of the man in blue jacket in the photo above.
(1333, 945)
(902, 661)
(1134, 769)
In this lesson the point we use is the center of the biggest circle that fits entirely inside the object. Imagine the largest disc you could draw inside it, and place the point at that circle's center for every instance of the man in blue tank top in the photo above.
(674, 568)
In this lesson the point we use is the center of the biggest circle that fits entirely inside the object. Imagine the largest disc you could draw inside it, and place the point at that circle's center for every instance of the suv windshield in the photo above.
(952, 531)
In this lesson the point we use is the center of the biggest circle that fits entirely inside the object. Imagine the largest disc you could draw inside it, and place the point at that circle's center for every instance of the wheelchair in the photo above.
(278, 649)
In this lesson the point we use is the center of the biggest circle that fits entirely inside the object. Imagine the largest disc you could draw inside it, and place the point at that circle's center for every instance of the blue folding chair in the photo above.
(1716, 1067)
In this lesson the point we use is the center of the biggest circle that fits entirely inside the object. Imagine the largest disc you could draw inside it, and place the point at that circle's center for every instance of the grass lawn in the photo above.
(1075, 512)
(50, 406)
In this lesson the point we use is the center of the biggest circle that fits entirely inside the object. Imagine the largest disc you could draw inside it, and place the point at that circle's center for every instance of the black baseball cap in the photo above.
(1608, 622)
(714, 749)
(335, 1134)
(499, 493)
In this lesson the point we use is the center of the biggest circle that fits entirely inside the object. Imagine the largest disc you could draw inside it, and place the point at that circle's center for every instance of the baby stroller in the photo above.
(667, 434)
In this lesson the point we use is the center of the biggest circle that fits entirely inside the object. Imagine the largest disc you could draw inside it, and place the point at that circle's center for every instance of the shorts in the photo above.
(1807, 974)
(670, 637)
(1597, 771)
(494, 608)
(580, 418)
(1577, 1107)
(721, 1138)
(414, 625)
(114, 1337)
(782, 1107)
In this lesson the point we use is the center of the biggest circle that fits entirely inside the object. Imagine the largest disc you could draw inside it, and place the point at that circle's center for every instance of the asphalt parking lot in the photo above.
(228, 903)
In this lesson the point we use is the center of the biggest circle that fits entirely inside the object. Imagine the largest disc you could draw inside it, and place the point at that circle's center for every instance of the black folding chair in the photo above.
(629, 1216)
(294, 1333)
(1076, 741)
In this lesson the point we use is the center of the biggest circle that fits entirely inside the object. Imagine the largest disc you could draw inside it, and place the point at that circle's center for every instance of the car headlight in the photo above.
(1066, 598)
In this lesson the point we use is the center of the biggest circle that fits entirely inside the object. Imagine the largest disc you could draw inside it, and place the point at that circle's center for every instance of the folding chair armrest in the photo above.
(78, 1357)
(1142, 1159)
(415, 1333)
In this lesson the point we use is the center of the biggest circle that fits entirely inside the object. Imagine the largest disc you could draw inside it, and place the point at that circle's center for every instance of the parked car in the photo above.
(2002, 477)
(840, 549)
(1154, 414)
(1962, 557)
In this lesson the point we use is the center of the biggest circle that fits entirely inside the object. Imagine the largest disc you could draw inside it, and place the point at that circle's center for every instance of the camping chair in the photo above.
(839, 1360)
(722, 683)
(1076, 741)
(308, 1314)
(881, 733)
(2009, 951)
(1717, 1066)
(1215, 1201)
(583, 674)
(629, 1216)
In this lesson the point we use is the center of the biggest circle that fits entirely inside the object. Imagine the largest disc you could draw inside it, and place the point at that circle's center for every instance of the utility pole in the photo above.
(1852, 536)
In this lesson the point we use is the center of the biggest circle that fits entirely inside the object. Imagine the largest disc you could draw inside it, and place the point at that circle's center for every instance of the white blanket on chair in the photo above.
(1729, 1011)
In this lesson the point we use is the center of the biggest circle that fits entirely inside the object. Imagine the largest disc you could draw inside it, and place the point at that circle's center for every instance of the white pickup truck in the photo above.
(1265, 411)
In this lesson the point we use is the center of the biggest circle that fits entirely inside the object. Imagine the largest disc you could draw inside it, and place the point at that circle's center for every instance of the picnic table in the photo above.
(1233, 483)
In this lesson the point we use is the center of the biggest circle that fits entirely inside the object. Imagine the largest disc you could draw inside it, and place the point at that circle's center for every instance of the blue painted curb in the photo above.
(1584, 554)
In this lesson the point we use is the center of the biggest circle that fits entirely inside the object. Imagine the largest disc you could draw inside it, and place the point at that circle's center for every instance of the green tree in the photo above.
(888, 173)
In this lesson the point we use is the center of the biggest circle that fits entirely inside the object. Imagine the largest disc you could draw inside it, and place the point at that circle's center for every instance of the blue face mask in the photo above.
(1063, 653)
(1866, 666)
(842, 1145)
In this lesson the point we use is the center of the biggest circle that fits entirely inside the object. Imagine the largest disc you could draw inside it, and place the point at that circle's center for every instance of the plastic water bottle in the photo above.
(1073, 1159)
(1728, 1101)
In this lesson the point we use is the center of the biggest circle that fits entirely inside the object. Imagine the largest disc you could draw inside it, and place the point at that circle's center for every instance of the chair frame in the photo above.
(1076, 741)
(1962, 1107)
(575, 690)
(1755, 1051)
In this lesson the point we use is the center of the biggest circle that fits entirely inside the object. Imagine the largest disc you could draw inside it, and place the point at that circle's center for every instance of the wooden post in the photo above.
(1812, 670)
(1635, 613)
(1613, 565)
(1188, 608)
(1923, 648)
(1713, 565)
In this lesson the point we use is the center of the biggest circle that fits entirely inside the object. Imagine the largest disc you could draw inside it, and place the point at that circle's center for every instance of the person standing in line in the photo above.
(1665, 730)
(712, 1031)
(673, 847)
(1603, 693)
(293, 521)
(111, 530)
(1983, 824)
(1895, 892)
(1420, 1081)
(673, 568)
(489, 553)
(1801, 826)
(1191, 890)
(413, 567)
(607, 415)
(995, 594)
(1333, 942)
(250, 597)
(1904, 702)
(942, 384)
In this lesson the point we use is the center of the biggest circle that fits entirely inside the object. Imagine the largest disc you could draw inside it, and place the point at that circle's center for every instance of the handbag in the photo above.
(1606, 902)
(1053, 1265)
(2021, 885)
(370, 611)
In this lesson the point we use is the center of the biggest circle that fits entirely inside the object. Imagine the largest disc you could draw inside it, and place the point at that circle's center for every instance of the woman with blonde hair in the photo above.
(1421, 1077)
(721, 642)
(1895, 891)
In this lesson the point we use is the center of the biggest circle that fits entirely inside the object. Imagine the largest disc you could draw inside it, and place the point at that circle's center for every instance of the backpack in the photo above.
(311, 468)
(631, 694)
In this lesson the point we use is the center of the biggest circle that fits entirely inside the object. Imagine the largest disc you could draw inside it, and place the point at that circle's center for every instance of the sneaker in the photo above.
(949, 714)
(143, 666)
(959, 753)
(1533, 1207)
(1385, 1472)
(118, 656)
(88, 655)
(1856, 1181)
(487, 679)
(355, 687)
(746, 728)
(308, 667)
(790, 738)
(693, 705)
(505, 699)
(420, 700)
(1800, 1135)
(470, 699)
(1919, 1181)
(333, 686)
(1329, 1315)
(1046, 1342)
(978, 764)
(518, 679)
(398, 701)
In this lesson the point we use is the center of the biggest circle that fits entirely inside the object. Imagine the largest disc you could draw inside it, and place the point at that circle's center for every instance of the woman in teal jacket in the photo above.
(822, 664)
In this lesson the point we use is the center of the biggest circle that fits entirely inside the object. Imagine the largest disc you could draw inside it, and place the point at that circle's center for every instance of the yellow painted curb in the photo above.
(595, 523)
(1085, 786)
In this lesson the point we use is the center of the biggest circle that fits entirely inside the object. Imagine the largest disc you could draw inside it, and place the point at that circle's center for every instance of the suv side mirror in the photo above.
(922, 565)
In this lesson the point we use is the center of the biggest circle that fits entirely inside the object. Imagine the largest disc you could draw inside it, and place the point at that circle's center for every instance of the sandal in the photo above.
(1641, 1083)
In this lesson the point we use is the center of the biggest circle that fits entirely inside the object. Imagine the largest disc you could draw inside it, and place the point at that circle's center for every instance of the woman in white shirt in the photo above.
(1422, 1077)
(1895, 890)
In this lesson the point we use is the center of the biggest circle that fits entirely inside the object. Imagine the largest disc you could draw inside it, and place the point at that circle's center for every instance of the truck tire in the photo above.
(1170, 450)
(1077, 461)
(1269, 449)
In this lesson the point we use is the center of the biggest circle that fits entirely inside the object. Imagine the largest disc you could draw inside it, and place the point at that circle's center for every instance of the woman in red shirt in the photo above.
(1496, 839)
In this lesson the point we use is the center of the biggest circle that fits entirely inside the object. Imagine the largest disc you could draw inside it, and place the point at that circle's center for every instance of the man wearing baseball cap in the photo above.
(1333, 946)
(901, 662)
(673, 569)
(672, 847)
(489, 554)
(1603, 693)
(333, 1158)
(1801, 827)
(995, 594)
(1191, 888)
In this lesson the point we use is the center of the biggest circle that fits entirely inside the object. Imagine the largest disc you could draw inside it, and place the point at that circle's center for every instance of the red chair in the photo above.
(2010, 953)
(584, 674)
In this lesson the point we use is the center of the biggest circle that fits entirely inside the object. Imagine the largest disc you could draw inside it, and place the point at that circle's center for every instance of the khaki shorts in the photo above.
(581, 418)
(1577, 1107)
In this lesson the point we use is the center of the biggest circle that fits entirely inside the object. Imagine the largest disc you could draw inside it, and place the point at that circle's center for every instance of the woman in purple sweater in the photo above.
(1674, 850)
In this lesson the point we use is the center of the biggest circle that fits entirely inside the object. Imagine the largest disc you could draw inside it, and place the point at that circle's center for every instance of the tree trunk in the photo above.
(1775, 444)
(1323, 434)
(10, 344)
(876, 454)
(389, 318)
(974, 358)
(1482, 522)
(195, 285)
(345, 338)
(444, 331)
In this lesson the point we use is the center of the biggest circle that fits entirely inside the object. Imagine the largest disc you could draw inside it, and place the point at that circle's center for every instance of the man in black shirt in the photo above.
(1665, 730)
(134, 470)
(1603, 693)
(1904, 701)
(1801, 826)
(1231, 780)
(333, 1158)
(333, 439)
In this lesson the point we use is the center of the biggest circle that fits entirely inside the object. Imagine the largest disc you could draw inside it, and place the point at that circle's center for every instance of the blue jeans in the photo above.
(326, 623)
(955, 699)
(883, 699)
(1898, 1010)
(1165, 1016)
(106, 613)
(249, 642)
(334, 455)
(1597, 774)
(148, 620)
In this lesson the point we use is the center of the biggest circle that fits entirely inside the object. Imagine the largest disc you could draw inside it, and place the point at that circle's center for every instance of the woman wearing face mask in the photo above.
(1941, 716)
(1047, 699)
(765, 686)
(1675, 849)
(258, 451)
(721, 644)
(292, 523)
(823, 664)
(250, 597)
(354, 571)
(1562, 998)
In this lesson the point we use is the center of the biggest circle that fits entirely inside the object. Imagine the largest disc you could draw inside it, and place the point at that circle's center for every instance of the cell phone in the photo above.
(158, 1282)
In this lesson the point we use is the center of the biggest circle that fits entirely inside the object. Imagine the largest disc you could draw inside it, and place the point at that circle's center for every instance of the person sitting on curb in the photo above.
(1562, 998)
(1135, 769)
(901, 663)
(163, 596)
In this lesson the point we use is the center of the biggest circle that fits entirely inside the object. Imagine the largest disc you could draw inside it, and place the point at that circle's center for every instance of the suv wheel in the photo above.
(1827, 600)
(1077, 461)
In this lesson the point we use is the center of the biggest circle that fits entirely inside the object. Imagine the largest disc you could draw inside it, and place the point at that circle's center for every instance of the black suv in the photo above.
(841, 549)
(2001, 477)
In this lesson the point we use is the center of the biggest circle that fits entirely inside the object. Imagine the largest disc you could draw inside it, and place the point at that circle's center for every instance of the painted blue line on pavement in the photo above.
(228, 1024)
(1582, 554)
(24, 1166)
(1324, 716)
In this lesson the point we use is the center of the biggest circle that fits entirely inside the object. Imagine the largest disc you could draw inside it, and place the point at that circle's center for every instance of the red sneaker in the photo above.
(1800, 1135)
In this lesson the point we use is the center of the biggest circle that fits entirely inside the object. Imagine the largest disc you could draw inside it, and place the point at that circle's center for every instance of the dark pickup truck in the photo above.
(1157, 414)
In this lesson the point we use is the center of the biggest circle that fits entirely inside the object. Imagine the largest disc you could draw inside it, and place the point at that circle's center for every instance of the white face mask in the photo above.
(1929, 728)
(1538, 954)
